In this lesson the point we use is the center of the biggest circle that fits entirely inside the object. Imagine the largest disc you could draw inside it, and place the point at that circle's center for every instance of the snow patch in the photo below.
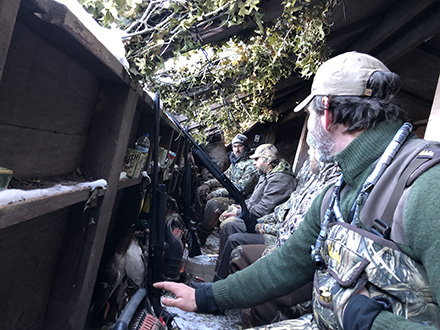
(9, 196)
(206, 259)
(198, 321)
(110, 38)
(101, 183)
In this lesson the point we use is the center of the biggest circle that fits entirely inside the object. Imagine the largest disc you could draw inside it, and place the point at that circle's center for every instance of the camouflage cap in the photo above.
(268, 151)
(344, 75)
(240, 138)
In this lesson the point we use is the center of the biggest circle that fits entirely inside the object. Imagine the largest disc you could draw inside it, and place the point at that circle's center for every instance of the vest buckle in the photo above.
(381, 229)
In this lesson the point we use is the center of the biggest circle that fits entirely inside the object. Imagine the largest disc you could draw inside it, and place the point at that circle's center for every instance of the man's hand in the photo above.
(185, 296)
(233, 211)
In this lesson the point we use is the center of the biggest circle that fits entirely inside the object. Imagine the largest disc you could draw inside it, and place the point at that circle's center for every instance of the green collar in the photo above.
(365, 149)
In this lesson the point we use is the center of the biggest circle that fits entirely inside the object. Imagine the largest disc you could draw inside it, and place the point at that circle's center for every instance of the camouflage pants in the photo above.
(305, 322)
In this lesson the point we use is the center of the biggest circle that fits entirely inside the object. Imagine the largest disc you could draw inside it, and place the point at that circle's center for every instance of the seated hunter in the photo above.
(276, 183)
(276, 228)
(242, 173)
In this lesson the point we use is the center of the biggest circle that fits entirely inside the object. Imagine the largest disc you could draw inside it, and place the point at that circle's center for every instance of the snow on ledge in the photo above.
(9, 196)
(110, 38)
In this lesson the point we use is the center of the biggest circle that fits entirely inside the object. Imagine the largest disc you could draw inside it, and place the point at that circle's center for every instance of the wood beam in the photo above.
(272, 10)
(355, 28)
(392, 21)
(433, 128)
(58, 25)
(82, 249)
(412, 35)
(8, 13)
(301, 151)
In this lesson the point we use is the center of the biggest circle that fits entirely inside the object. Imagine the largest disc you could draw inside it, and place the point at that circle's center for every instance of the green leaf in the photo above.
(254, 64)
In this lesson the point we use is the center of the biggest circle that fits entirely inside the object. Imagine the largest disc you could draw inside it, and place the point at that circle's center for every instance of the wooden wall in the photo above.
(47, 103)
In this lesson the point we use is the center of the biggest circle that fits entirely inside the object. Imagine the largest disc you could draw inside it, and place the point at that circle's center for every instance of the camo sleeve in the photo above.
(272, 222)
(286, 269)
(243, 175)
(246, 177)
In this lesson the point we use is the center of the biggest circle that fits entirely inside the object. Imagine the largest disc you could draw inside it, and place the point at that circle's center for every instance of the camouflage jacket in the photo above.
(292, 261)
(242, 173)
(279, 225)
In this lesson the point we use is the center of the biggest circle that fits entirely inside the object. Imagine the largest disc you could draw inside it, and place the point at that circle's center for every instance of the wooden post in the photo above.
(433, 127)
(301, 151)
(8, 13)
(80, 257)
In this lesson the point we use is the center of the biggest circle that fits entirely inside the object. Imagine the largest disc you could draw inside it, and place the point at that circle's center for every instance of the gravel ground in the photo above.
(203, 267)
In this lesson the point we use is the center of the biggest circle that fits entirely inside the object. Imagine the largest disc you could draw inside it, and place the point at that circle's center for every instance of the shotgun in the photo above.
(201, 155)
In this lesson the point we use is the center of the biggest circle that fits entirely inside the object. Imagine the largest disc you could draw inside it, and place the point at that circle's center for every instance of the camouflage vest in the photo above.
(357, 258)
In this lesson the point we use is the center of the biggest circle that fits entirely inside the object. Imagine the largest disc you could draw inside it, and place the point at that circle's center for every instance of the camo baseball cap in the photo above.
(239, 138)
(344, 75)
(268, 151)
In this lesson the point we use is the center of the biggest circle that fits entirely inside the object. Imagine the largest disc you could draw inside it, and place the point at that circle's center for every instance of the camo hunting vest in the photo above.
(357, 258)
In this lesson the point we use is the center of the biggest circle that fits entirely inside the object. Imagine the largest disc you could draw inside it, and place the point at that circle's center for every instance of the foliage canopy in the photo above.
(230, 84)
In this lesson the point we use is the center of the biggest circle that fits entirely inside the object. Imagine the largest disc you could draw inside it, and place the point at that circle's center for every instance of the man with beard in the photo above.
(374, 235)
(242, 173)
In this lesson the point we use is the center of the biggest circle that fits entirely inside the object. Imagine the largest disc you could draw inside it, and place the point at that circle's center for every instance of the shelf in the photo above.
(125, 183)
(21, 211)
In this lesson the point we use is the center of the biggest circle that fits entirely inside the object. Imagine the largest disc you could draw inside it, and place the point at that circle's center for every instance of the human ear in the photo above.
(327, 119)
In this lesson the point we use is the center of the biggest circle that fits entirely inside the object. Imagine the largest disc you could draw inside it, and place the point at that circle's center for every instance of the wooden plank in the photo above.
(70, 270)
(28, 258)
(414, 34)
(109, 130)
(22, 211)
(47, 102)
(433, 128)
(272, 134)
(44, 89)
(31, 153)
(105, 152)
(301, 151)
(8, 13)
(62, 28)
(392, 21)
(125, 183)
(287, 138)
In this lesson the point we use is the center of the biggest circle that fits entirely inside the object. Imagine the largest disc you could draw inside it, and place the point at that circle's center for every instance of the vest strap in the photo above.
(427, 158)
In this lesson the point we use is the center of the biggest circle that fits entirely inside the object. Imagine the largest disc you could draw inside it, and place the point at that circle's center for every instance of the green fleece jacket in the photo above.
(291, 266)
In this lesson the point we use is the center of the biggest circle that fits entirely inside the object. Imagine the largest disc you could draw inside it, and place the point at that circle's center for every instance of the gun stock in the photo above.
(220, 176)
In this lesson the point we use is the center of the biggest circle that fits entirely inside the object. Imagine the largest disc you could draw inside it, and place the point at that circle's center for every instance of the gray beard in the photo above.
(325, 151)
(323, 144)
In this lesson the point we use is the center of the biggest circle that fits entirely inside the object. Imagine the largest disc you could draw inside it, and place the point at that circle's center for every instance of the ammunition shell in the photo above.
(325, 295)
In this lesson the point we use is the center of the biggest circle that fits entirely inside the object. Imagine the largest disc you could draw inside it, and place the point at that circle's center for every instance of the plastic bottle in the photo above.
(143, 143)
